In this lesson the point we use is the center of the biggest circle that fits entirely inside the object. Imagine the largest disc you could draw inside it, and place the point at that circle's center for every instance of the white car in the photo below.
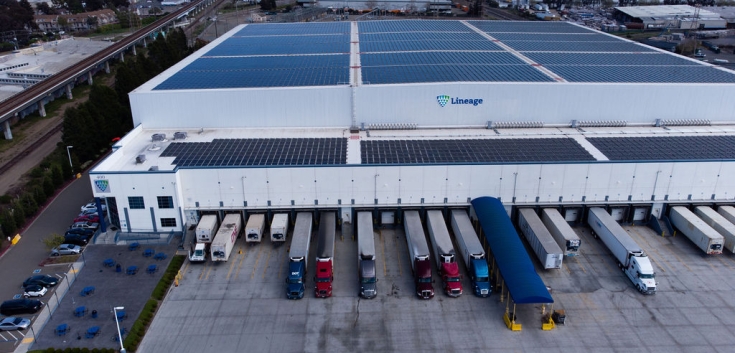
(35, 290)
(93, 207)
(66, 249)
(86, 225)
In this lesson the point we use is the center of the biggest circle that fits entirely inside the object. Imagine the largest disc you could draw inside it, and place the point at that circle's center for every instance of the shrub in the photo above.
(18, 215)
(48, 186)
(56, 176)
(5, 199)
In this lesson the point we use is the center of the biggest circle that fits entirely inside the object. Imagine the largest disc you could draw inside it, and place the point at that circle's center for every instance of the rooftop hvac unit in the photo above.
(179, 135)
(140, 159)
(158, 137)
(153, 168)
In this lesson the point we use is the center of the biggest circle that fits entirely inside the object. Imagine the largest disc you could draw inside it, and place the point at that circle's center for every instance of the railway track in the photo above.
(17, 158)
(21, 100)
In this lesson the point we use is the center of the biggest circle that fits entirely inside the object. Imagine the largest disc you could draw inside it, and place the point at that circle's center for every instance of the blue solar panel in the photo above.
(636, 59)
(528, 27)
(368, 47)
(412, 26)
(679, 74)
(268, 62)
(420, 36)
(452, 73)
(555, 37)
(294, 29)
(256, 78)
(438, 58)
(614, 47)
(276, 45)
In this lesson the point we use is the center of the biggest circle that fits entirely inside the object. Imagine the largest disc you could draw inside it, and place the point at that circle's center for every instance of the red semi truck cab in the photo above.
(424, 287)
(323, 279)
(451, 278)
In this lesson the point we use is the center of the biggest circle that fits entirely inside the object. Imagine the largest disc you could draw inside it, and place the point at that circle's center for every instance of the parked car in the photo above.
(14, 323)
(93, 207)
(66, 249)
(88, 212)
(93, 217)
(76, 239)
(85, 225)
(44, 280)
(20, 306)
(80, 231)
(35, 290)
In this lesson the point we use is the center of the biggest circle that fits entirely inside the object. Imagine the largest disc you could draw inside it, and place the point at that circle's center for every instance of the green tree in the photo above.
(53, 240)
(7, 222)
(39, 195)
(56, 176)
(18, 215)
(48, 186)
(30, 206)
(45, 8)
(65, 171)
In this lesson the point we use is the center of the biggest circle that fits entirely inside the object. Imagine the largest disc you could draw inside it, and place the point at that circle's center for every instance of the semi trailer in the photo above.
(205, 231)
(298, 256)
(471, 252)
(254, 228)
(541, 241)
(564, 235)
(419, 252)
(446, 259)
(719, 224)
(325, 255)
(279, 227)
(226, 236)
(702, 235)
(630, 257)
(366, 255)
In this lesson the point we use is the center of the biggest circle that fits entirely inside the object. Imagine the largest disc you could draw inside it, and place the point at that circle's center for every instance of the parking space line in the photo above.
(280, 264)
(239, 266)
(209, 271)
(398, 257)
(719, 257)
(204, 270)
(3, 337)
(382, 247)
(580, 264)
(186, 268)
(267, 259)
(28, 340)
(257, 259)
(11, 335)
(232, 264)
(681, 262)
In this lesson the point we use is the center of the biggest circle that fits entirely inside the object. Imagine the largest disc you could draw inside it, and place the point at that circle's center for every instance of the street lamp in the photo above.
(117, 323)
(69, 154)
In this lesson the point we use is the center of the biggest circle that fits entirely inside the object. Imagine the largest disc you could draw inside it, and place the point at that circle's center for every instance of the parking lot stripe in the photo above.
(673, 252)
(382, 252)
(267, 259)
(280, 265)
(257, 259)
(209, 270)
(232, 265)
(723, 262)
(651, 250)
(239, 266)
(576, 259)
(3, 337)
(204, 270)
(186, 268)
(28, 340)
(398, 257)
(11, 335)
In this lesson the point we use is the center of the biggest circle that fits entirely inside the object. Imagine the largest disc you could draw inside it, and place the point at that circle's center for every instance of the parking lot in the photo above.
(241, 304)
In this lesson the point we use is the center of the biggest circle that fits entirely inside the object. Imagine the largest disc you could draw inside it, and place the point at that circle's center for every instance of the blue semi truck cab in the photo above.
(295, 280)
(480, 277)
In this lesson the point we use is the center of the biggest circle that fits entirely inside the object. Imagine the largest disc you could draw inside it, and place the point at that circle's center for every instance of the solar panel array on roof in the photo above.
(666, 148)
(436, 51)
(622, 59)
(271, 55)
(528, 27)
(472, 151)
(674, 74)
(260, 152)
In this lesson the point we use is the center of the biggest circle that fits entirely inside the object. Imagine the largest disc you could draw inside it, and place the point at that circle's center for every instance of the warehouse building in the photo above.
(683, 17)
(393, 115)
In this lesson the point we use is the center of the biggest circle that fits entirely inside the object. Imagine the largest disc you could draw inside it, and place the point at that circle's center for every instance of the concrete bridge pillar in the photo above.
(145, 43)
(107, 67)
(122, 56)
(6, 130)
(68, 91)
(134, 52)
(41, 108)
(89, 77)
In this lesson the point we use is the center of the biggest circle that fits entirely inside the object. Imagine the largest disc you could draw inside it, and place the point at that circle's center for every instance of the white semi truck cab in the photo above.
(640, 272)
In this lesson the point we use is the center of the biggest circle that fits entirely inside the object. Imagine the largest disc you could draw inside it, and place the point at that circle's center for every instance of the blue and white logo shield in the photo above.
(102, 185)
(443, 100)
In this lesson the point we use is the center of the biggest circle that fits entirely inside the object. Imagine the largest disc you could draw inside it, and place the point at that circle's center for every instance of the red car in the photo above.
(94, 218)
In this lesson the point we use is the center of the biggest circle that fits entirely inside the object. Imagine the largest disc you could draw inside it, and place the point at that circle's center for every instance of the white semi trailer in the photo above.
(542, 243)
(226, 236)
(630, 257)
(254, 228)
(718, 223)
(279, 227)
(564, 235)
(702, 235)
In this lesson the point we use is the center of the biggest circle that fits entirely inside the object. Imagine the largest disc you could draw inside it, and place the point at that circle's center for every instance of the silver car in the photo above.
(34, 290)
(14, 323)
(66, 249)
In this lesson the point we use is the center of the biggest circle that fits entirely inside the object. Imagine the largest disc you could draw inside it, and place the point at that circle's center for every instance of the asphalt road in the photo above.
(21, 260)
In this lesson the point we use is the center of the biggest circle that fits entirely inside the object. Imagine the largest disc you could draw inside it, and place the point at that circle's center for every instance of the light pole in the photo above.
(117, 323)
(69, 154)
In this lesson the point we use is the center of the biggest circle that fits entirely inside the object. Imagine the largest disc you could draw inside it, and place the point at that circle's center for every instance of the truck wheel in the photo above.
(638, 286)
